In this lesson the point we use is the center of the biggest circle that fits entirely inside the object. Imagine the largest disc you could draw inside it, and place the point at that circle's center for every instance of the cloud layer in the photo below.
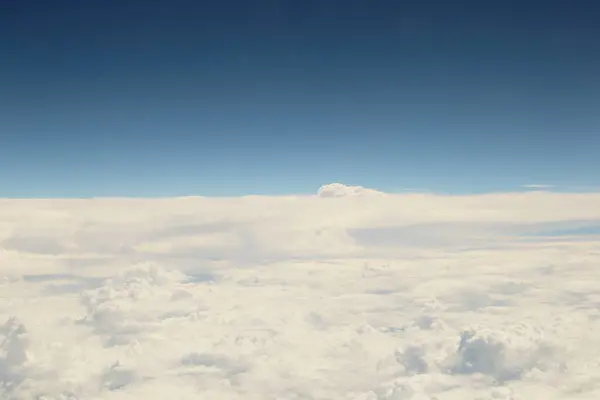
(346, 294)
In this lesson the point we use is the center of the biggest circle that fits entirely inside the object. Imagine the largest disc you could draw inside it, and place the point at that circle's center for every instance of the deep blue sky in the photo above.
(154, 98)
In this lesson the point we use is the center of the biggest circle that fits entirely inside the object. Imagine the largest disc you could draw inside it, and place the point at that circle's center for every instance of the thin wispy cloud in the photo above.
(538, 186)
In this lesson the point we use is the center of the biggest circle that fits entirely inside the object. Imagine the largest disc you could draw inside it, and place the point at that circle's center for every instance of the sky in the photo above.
(171, 98)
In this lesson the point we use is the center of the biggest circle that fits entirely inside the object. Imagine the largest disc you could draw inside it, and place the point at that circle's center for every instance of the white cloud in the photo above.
(360, 296)
(341, 190)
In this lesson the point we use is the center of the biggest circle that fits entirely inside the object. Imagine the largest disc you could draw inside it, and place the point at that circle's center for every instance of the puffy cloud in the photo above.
(363, 295)
(341, 190)
(14, 357)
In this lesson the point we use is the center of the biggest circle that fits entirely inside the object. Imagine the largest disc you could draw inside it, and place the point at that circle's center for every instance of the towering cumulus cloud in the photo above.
(352, 294)
(341, 190)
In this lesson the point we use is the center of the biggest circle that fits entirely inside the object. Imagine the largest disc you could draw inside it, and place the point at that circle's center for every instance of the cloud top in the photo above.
(362, 296)
(341, 190)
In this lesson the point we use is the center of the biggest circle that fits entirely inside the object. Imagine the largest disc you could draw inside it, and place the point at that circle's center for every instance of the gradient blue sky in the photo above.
(158, 98)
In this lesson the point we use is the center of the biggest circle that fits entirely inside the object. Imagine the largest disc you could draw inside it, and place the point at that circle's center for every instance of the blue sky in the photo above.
(161, 98)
